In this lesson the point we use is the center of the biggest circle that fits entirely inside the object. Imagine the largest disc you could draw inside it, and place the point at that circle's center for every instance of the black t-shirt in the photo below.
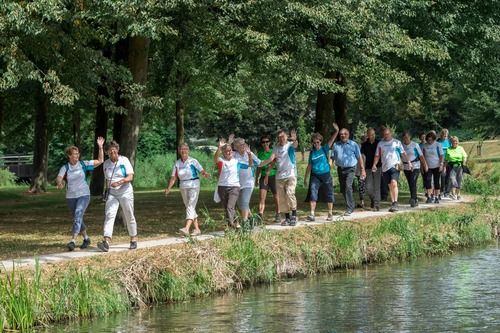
(369, 149)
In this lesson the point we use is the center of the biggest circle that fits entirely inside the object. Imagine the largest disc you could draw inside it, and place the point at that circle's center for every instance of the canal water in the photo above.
(456, 293)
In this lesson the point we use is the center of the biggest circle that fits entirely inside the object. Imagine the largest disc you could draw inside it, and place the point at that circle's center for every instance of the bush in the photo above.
(7, 178)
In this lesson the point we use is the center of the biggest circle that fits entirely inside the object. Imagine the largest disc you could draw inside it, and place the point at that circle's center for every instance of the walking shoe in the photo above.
(103, 246)
(429, 200)
(372, 204)
(196, 232)
(436, 200)
(446, 195)
(412, 202)
(394, 208)
(416, 202)
(459, 197)
(440, 197)
(452, 197)
(85, 244)
(329, 217)
(293, 221)
(133, 245)
(376, 209)
(310, 218)
(184, 232)
(347, 213)
(71, 246)
(285, 223)
(277, 218)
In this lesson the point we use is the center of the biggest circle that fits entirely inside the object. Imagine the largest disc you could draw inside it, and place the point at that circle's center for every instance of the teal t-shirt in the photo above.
(319, 160)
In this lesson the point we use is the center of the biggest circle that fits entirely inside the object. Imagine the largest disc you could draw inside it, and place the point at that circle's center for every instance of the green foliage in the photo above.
(7, 178)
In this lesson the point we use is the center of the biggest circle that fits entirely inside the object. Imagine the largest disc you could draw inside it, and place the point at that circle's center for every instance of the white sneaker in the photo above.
(329, 217)
(184, 232)
(196, 232)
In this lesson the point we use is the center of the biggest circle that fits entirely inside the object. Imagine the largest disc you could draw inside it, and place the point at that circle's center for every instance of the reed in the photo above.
(118, 281)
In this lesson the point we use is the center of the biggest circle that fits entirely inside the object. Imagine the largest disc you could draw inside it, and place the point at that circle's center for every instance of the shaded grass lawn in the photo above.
(41, 224)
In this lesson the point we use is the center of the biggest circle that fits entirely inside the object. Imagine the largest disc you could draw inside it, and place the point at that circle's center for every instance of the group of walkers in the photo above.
(377, 162)
(119, 175)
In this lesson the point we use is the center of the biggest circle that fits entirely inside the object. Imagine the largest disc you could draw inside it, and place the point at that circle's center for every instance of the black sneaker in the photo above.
(394, 208)
(103, 246)
(71, 246)
(133, 245)
(85, 244)
(412, 203)
(429, 200)
(436, 200)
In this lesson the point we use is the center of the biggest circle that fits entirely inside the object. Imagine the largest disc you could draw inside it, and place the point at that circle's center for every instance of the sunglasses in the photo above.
(265, 141)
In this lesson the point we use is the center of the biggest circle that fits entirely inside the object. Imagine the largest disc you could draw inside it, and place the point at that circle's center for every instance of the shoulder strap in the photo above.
(84, 168)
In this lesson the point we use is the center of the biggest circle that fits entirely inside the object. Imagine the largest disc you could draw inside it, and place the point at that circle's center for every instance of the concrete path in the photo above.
(7, 265)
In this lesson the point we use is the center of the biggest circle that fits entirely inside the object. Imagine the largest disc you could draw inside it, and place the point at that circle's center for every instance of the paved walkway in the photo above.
(8, 265)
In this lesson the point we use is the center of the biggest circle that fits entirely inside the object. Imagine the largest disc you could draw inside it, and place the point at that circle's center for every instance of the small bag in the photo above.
(105, 195)
(399, 166)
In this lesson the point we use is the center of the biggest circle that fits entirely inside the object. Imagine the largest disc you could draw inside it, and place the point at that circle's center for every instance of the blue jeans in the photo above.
(78, 206)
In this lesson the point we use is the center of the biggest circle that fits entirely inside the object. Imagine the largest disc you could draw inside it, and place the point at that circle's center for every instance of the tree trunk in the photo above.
(138, 64)
(179, 122)
(101, 129)
(2, 98)
(41, 142)
(324, 111)
(340, 104)
(77, 137)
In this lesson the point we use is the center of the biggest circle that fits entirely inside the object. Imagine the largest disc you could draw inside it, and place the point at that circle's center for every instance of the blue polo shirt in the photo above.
(346, 155)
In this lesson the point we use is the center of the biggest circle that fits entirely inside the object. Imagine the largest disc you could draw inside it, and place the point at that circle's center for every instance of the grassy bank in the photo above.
(118, 281)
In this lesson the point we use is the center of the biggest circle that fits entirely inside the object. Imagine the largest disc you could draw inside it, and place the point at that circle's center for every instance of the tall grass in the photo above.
(196, 269)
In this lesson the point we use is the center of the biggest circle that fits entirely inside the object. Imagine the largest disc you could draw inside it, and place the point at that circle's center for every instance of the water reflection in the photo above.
(457, 293)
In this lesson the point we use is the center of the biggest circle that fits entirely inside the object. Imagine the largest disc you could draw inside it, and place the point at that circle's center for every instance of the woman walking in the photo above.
(318, 168)
(267, 179)
(228, 185)
(433, 153)
(187, 169)
(78, 192)
(456, 159)
(417, 159)
(119, 176)
(242, 153)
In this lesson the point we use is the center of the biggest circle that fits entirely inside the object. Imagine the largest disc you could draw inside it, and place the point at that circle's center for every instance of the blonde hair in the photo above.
(71, 150)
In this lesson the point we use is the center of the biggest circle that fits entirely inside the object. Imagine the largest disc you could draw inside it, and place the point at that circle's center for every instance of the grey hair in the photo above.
(112, 144)
(238, 142)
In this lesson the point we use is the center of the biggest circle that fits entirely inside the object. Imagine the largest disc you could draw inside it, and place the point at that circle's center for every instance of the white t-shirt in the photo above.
(413, 152)
(75, 178)
(433, 154)
(121, 169)
(286, 165)
(389, 153)
(247, 175)
(229, 172)
(187, 172)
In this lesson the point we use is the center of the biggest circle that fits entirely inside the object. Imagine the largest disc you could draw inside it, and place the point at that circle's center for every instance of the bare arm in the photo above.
(100, 157)
(293, 136)
(362, 167)
(334, 136)
(170, 184)
(127, 179)
(308, 172)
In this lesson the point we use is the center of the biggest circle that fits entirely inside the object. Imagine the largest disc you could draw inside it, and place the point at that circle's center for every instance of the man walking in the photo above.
(346, 154)
(373, 179)
(286, 175)
(389, 151)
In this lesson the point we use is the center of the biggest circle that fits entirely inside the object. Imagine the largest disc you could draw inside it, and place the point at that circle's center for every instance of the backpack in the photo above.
(84, 168)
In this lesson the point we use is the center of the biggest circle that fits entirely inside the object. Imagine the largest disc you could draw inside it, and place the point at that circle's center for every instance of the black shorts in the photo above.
(271, 184)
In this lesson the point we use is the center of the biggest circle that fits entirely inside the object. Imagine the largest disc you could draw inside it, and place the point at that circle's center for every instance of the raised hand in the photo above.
(230, 139)
(100, 141)
(293, 135)
(336, 127)
(222, 142)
